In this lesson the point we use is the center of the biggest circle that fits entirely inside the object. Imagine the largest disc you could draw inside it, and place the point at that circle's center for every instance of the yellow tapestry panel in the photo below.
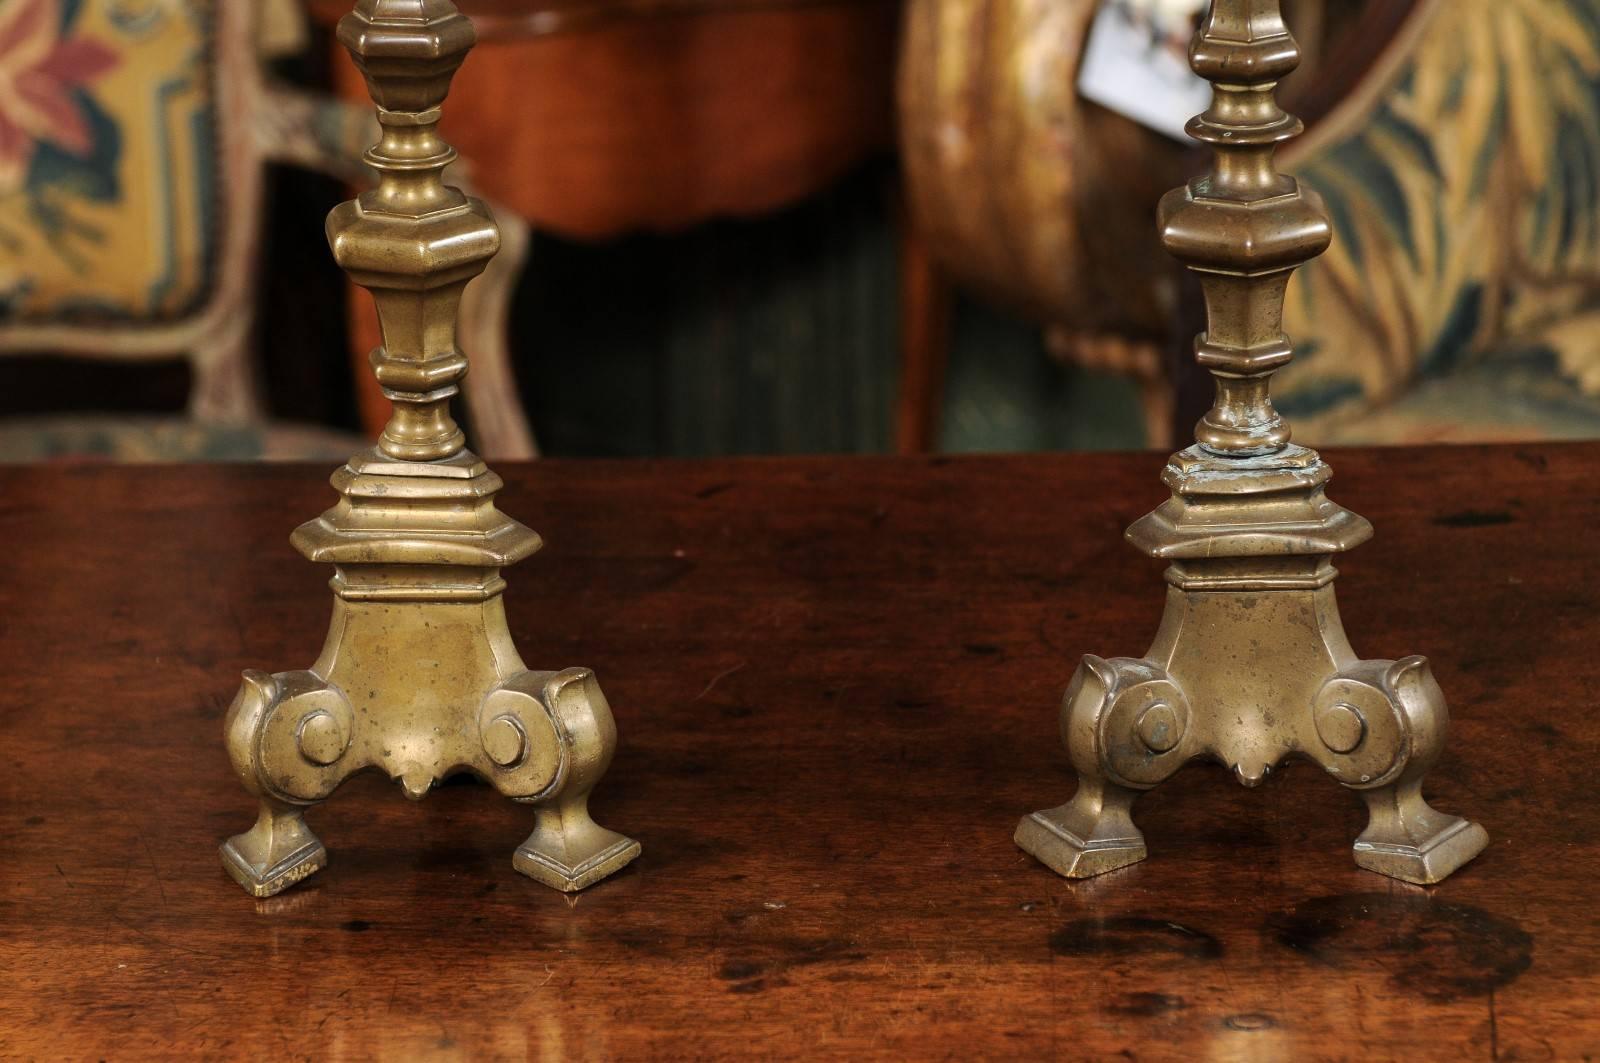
(108, 173)
(1461, 299)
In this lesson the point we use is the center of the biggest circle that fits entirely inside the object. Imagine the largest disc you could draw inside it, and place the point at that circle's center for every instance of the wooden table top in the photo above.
(836, 685)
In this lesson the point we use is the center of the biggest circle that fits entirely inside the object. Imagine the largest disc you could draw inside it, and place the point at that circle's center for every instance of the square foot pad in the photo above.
(269, 881)
(1070, 856)
(1432, 861)
(570, 878)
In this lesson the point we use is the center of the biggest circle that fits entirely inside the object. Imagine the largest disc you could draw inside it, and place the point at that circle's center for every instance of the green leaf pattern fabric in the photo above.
(1461, 298)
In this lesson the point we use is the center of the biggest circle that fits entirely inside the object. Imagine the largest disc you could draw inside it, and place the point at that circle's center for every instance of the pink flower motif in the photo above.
(38, 73)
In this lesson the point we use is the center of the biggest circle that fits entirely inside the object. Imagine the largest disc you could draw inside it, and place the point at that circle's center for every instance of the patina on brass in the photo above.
(419, 677)
(1251, 664)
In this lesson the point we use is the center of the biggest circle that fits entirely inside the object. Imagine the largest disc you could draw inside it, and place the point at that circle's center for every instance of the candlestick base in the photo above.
(1250, 666)
(419, 679)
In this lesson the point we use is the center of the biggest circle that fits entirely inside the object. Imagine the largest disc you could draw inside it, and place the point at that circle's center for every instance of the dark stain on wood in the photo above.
(1133, 935)
(765, 964)
(1549, 735)
(1145, 1005)
(1433, 948)
(739, 970)
(1474, 518)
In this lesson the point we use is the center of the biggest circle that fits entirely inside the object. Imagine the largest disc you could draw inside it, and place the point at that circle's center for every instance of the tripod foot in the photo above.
(1089, 835)
(276, 853)
(1410, 840)
(568, 850)
(1382, 725)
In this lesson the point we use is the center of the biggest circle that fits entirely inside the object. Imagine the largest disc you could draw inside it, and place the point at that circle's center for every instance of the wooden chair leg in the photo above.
(499, 426)
(225, 389)
(924, 345)
(1142, 360)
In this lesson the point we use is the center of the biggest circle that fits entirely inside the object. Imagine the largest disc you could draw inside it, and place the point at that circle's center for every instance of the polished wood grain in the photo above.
(835, 682)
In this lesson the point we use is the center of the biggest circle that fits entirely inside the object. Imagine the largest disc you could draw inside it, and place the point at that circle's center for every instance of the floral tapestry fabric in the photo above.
(1461, 299)
(107, 159)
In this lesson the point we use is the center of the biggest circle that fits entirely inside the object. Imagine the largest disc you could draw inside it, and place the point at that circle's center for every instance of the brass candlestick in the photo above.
(1251, 663)
(419, 677)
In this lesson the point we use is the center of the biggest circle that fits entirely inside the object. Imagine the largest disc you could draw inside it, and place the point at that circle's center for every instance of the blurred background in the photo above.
(783, 226)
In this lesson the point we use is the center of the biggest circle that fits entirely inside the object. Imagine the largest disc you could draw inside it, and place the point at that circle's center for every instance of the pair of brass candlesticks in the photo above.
(419, 677)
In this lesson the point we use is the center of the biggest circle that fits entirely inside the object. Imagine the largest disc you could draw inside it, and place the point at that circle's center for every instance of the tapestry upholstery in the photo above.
(153, 439)
(1461, 299)
(108, 169)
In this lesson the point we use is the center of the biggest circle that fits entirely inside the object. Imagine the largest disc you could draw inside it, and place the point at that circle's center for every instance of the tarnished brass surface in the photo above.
(1251, 664)
(419, 677)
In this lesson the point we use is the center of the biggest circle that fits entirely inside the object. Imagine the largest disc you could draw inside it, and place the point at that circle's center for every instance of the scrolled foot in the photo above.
(521, 739)
(1127, 720)
(568, 850)
(276, 853)
(1126, 724)
(1089, 835)
(286, 736)
(1408, 839)
(1381, 725)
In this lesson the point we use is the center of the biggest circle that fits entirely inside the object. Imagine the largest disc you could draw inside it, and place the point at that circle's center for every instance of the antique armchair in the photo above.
(1455, 141)
(133, 145)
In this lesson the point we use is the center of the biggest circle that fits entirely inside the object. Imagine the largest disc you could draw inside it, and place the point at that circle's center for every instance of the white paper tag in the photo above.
(1137, 63)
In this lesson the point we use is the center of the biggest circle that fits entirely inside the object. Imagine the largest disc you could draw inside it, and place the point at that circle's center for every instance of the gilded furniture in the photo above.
(781, 676)
(1021, 192)
(419, 678)
(1251, 664)
(131, 203)
(1448, 137)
